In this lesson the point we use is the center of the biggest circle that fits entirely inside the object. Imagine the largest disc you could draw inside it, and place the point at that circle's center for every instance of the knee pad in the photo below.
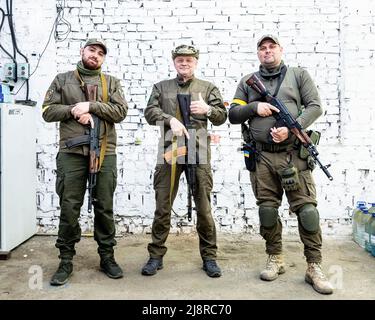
(309, 218)
(268, 216)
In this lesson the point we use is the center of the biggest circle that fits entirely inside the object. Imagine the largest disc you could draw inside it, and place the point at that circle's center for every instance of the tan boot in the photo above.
(275, 266)
(315, 277)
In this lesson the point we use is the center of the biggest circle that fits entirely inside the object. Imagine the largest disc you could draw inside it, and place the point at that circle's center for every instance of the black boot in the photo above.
(63, 273)
(110, 267)
(151, 267)
(211, 268)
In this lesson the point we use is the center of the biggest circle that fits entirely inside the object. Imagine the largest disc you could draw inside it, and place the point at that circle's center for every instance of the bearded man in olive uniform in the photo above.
(66, 103)
(163, 109)
(280, 166)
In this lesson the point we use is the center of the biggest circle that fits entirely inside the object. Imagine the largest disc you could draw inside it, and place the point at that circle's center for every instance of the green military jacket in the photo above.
(162, 106)
(297, 91)
(65, 92)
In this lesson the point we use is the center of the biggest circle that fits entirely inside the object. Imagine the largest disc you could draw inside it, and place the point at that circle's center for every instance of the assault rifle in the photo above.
(190, 166)
(92, 139)
(287, 119)
(94, 154)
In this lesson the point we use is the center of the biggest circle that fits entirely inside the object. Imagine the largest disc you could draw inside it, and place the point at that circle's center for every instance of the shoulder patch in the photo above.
(49, 95)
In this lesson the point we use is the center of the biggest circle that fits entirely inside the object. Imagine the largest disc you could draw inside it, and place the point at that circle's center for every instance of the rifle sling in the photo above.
(280, 79)
(105, 100)
(174, 158)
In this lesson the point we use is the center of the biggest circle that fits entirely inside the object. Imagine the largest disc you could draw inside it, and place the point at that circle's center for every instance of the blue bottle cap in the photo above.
(361, 204)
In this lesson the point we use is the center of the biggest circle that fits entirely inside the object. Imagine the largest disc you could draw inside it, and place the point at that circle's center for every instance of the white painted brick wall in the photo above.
(334, 40)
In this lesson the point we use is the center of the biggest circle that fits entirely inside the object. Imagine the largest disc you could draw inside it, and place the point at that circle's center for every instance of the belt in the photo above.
(273, 148)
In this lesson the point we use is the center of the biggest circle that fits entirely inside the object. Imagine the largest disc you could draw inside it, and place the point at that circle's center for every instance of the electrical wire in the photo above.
(13, 33)
(59, 20)
(41, 55)
(9, 22)
(9, 5)
(1, 26)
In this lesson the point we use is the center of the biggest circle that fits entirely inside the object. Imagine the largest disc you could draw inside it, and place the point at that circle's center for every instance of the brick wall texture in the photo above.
(334, 41)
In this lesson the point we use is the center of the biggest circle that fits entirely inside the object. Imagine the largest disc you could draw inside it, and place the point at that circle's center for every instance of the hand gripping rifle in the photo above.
(92, 139)
(184, 101)
(288, 120)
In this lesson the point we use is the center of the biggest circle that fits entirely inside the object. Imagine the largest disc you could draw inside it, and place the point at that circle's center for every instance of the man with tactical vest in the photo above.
(66, 102)
(276, 164)
(163, 110)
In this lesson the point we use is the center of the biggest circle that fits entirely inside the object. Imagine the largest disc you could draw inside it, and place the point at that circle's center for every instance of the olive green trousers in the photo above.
(71, 181)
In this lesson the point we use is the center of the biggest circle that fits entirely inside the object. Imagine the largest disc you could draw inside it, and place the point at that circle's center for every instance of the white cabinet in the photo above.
(18, 175)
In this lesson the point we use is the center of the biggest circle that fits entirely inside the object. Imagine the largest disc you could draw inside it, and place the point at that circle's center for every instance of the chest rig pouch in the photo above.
(303, 153)
(289, 178)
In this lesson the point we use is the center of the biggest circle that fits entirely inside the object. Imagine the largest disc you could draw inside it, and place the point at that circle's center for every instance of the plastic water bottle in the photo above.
(361, 227)
(372, 234)
(356, 217)
(367, 221)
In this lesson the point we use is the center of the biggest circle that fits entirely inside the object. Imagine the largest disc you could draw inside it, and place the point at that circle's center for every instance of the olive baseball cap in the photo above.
(96, 41)
(268, 37)
(185, 50)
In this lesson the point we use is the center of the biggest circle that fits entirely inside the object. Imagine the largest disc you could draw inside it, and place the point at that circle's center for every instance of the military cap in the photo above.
(268, 37)
(184, 50)
(96, 41)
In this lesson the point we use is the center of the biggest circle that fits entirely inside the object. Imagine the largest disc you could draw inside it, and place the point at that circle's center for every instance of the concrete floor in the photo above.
(26, 274)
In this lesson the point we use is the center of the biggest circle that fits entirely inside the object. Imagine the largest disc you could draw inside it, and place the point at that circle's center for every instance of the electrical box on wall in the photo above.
(10, 71)
(23, 70)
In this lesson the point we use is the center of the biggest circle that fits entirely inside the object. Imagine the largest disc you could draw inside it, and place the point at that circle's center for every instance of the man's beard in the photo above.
(87, 65)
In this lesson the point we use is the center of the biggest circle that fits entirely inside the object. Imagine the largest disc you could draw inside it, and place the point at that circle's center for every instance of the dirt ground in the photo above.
(26, 274)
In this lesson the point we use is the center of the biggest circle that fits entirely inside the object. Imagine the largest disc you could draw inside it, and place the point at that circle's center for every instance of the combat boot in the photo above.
(211, 268)
(151, 267)
(315, 277)
(274, 266)
(110, 267)
(64, 271)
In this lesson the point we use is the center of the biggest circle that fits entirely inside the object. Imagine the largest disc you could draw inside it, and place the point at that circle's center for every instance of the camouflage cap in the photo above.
(96, 41)
(268, 37)
(185, 50)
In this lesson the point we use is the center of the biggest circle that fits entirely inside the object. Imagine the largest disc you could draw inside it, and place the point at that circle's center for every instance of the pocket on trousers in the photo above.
(254, 186)
(204, 177)
(114, 179)
(59, 185)
(157, 175)
(307, 183)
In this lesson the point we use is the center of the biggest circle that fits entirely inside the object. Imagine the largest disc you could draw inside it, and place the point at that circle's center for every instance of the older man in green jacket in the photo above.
(163, 109)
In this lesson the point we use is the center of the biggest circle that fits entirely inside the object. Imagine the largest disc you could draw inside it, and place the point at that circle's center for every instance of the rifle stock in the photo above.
(94, 150)
(94, 154)
(288, 120)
